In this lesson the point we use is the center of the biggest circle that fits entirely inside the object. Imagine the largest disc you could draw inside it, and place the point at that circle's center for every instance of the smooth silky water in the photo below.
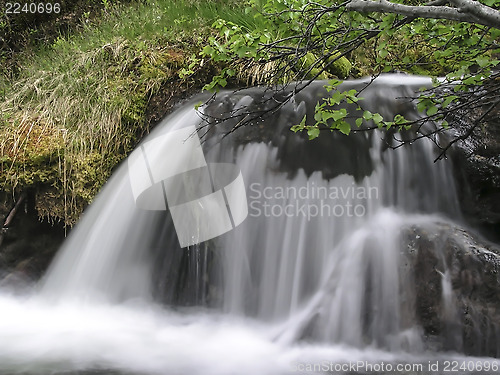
(316, 276)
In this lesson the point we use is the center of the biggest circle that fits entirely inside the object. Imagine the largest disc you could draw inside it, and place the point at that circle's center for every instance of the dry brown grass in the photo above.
(74, 124)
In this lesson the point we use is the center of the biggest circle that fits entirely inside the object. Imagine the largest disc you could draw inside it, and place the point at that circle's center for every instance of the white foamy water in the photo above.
(40, 337)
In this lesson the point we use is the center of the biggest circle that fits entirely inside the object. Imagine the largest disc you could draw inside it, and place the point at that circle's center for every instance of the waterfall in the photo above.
(307, 254)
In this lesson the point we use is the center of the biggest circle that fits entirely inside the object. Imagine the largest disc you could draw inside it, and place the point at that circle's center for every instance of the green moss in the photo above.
(87, 177)
(27, 176)
(311, 67)
(341, 67)
(134, 112)
(333, 67)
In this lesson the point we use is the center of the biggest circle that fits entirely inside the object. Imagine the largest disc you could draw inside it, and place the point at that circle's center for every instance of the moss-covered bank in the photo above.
(73, 107)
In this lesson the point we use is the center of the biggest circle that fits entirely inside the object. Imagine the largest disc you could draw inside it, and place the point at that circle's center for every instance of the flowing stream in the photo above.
(313, 272)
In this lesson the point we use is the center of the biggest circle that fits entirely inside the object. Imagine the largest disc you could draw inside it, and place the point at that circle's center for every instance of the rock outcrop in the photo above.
(478, 174)
(27, 245)
(457, 277)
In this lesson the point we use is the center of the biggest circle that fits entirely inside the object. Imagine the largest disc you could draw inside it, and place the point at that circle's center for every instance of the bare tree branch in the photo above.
(466, 11)
(479, 10)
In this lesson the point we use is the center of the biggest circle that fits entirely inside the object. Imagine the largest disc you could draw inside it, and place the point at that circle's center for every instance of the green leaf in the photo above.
(482, 61)
(448, 100)
(344, 127)
(208, 50)
(473, 80)
(336, 98)
(383, 53)
(400, 120)
(432, 110)
(222, 82)
(339, 114)
(377, 118)
(359, 122)
(351, 96)
(491, 2)
(313, 133)
(424, 104)
(332, 84)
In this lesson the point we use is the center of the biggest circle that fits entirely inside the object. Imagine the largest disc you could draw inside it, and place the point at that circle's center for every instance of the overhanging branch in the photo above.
(479, 10)
(466, 12)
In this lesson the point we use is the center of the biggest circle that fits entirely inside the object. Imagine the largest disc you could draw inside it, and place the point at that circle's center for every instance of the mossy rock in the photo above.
(333, 66)
(341, 67)
(308, 61)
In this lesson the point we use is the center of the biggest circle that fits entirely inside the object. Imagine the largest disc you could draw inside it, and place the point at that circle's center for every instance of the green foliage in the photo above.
(302, 38)
(251, 41)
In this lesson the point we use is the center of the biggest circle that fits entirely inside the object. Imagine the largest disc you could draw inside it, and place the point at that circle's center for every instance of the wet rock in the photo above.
(28, 245)
(468, 318)
(478, 173)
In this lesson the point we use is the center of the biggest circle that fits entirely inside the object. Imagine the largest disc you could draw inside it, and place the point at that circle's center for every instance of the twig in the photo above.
(13, 212)
(10, 217)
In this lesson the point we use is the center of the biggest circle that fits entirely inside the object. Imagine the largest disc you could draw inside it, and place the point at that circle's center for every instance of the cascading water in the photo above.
(327, 268)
